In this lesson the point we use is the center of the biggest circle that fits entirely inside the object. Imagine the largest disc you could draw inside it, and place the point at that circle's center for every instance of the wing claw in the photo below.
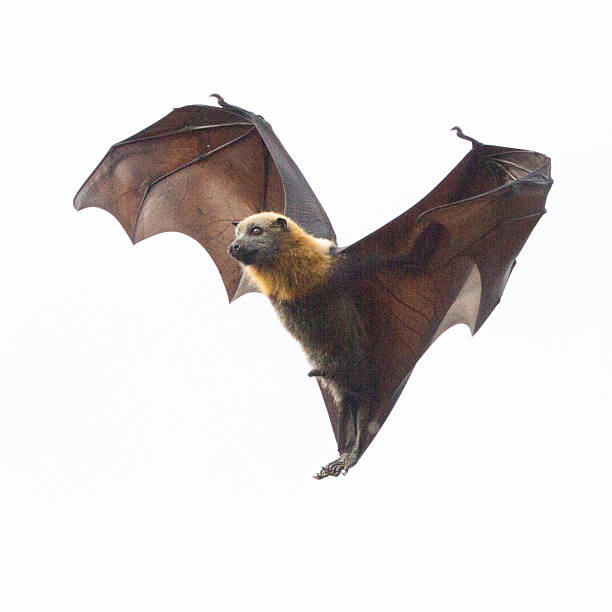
(221, 101)
(460, 134)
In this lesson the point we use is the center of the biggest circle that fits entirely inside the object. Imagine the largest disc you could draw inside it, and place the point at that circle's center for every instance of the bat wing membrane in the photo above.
(197, 170)
(201, 167)
(465, 236)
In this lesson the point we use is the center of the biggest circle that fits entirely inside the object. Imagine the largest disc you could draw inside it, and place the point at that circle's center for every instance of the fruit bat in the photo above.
(364, 313)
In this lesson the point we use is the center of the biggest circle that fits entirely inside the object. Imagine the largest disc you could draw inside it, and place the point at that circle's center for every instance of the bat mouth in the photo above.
(245, 256)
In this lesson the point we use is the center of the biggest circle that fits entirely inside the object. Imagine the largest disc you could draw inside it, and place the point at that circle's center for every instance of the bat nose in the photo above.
(233, 248)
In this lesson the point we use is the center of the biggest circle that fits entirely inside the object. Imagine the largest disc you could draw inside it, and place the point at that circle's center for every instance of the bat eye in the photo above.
(256, 231)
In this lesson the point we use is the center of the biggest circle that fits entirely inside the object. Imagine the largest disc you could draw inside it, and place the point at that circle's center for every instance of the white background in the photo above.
(157, 446)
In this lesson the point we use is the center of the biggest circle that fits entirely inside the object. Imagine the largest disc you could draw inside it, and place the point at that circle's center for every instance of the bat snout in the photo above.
(242, 253)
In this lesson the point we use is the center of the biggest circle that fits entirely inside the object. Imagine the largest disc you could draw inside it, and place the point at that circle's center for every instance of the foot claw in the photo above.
(339, 466)
(322, 474)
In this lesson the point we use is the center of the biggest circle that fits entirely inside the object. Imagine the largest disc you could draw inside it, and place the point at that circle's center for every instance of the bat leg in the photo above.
(349, 457)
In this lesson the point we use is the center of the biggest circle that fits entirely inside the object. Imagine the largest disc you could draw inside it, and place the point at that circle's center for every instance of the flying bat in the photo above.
(364, 314)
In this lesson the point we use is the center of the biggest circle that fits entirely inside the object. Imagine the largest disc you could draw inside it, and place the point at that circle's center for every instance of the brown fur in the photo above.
(303, 263)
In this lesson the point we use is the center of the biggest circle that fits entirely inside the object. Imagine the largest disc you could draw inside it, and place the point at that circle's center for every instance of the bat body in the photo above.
(364, 314)
(309, 286)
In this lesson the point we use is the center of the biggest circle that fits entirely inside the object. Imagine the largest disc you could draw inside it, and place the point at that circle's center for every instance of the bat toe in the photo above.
(341, 465)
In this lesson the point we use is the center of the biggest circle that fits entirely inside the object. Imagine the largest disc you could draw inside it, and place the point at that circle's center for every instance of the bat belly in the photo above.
(332, 335)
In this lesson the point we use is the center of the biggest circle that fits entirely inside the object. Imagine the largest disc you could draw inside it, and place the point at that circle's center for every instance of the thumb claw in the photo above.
(221, 101)
(475, 143)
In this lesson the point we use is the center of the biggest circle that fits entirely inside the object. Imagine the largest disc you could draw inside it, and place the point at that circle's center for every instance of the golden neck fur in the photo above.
(303, 263)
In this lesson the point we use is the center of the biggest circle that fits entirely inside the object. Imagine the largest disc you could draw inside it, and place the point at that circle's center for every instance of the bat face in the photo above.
(258, 239)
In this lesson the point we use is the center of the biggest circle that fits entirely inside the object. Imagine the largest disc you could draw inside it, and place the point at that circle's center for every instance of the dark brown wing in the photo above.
(197, 170)
(465, 237)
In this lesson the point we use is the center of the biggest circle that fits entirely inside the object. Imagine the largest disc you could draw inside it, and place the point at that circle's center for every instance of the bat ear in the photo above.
(235, 223)
(282, 223)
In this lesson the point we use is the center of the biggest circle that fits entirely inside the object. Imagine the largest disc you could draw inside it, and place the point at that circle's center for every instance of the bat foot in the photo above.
(334, 468)
(341, 465)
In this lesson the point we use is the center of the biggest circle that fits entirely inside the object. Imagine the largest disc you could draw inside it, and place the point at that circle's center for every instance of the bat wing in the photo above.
(461, 242)
(197, 170)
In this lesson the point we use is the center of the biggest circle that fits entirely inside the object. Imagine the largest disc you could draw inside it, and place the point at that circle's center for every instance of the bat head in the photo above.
(259, 239)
